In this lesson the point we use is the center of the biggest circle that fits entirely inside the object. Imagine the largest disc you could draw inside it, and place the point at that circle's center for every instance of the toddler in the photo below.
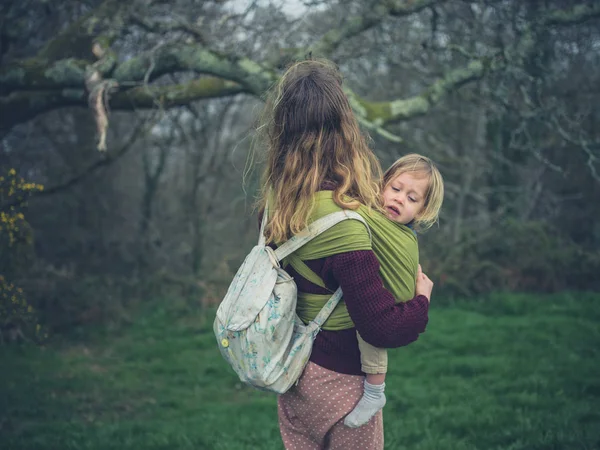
(413, 192)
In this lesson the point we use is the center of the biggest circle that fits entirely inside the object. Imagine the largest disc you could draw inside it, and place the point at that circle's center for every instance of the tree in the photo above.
(61, 75)
(500, 93)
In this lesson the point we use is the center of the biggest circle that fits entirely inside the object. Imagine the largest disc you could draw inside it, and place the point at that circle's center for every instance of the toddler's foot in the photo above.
(372, 401)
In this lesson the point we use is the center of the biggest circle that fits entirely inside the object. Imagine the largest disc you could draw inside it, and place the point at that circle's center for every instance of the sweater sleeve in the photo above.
(378, 318)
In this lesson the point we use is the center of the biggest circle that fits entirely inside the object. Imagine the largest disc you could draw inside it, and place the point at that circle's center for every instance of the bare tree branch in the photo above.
(104, 24)
(161, 27)
(106, 160)
(37, 85)
(371, 18)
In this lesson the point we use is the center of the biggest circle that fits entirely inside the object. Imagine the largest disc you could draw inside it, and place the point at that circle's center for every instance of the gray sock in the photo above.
(372, 401)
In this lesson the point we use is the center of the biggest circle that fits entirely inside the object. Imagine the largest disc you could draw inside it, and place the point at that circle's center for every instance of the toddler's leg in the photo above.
(372, 401)
(374, 364)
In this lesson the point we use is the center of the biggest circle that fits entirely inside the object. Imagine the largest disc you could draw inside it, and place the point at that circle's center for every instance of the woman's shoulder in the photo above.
(325, 205)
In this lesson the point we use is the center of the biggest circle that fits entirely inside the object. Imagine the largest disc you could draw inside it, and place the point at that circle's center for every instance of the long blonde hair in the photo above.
(434, 196)
(311, 136)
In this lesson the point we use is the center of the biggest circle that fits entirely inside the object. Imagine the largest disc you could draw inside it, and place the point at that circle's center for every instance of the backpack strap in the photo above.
(265, 218)
(315, 229)
(328, 308)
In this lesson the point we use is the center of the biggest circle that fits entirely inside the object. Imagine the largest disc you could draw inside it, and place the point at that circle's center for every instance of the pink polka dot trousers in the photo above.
(311, 414)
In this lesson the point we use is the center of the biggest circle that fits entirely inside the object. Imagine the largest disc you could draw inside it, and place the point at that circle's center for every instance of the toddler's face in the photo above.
(404, 196)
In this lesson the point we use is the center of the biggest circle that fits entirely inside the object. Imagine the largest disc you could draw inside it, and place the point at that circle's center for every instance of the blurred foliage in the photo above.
(67, 301)
(15, 232)
(18, 319)
(510, 256)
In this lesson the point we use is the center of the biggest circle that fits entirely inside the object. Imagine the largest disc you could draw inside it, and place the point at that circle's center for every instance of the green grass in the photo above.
(508, 372)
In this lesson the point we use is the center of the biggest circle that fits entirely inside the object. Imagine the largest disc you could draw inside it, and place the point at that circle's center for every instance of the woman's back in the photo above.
(312, 138)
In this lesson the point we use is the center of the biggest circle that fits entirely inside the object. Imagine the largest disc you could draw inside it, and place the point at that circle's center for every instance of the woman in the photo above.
(314, 145)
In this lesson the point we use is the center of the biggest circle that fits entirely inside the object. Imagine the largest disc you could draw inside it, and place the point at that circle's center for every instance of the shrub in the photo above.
(509, 256)
(18, 319)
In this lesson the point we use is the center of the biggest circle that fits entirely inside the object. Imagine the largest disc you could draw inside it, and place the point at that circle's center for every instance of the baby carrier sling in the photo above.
(257, 328)
(394, 244)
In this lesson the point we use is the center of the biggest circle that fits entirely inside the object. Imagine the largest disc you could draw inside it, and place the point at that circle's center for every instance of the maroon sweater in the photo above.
(378, 318)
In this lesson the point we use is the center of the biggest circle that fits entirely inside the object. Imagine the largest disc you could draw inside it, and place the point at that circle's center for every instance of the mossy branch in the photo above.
(44, 83)
(575, 14)
(179, 58)
(175, 95)
(22, 106)
(37, 74)
(382, 113)
(379, 114)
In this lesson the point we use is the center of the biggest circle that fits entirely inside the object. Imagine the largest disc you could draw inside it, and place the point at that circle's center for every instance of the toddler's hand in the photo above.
(424, 284)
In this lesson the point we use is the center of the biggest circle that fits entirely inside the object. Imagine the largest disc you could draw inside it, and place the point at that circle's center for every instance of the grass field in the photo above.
(508, 372)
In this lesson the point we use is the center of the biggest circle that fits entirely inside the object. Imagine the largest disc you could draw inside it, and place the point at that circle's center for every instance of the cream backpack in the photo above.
(257, 329)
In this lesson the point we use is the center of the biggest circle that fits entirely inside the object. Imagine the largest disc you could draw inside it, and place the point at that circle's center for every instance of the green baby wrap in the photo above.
(395, 246)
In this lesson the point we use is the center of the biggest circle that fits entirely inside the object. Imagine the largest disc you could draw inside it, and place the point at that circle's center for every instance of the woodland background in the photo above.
(502, 95)
(126, 129)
